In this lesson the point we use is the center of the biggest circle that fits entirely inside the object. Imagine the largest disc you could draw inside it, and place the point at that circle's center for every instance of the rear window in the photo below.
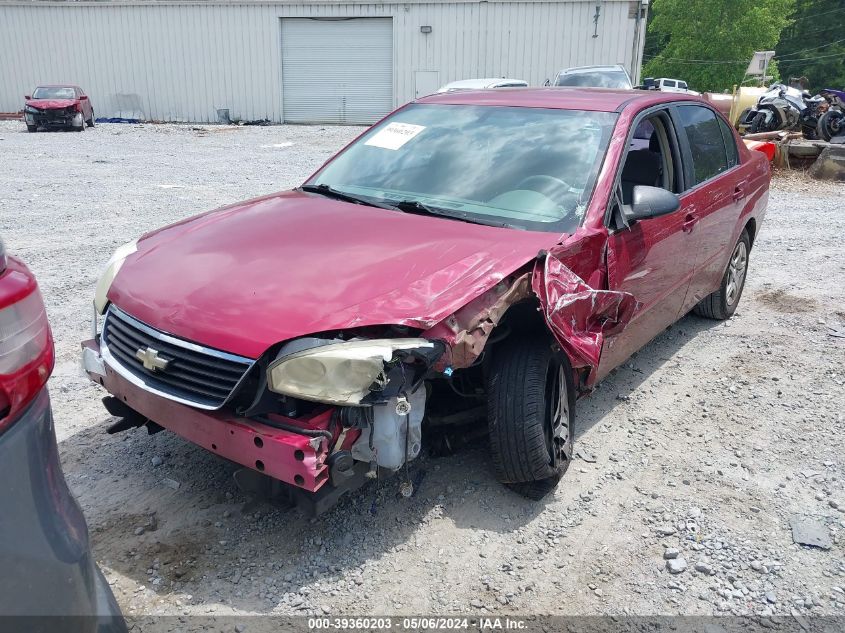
(707, 144)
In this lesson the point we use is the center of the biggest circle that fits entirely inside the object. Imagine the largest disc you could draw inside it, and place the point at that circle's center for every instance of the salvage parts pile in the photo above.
(325, 414)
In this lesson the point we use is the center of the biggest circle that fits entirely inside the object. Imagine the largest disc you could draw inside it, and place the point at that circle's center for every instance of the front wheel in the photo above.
(758, 123)
(530, 415)
(831, 124)
(90, 122)
(31, 128)
(721, 305)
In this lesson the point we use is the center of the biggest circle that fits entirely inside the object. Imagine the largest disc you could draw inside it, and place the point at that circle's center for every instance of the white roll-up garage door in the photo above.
(337, 71)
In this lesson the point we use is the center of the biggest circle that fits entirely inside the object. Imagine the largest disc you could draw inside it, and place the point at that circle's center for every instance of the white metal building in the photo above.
(298, 61)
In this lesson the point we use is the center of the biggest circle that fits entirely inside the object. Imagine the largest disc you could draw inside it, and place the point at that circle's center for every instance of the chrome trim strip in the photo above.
(157, 334)
(139, 382)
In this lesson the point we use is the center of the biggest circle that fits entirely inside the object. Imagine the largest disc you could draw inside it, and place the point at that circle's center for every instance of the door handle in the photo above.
(690, 220)
(739, 191)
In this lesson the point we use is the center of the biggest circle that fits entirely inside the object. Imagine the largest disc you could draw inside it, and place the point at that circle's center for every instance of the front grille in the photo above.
(191, 373)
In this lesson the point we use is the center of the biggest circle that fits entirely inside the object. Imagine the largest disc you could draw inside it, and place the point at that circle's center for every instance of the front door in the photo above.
(651, 259)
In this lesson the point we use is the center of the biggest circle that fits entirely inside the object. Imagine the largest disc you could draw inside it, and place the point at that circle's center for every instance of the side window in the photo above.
(670, 83)
(707, 146)
(682, 85)
(730, 144)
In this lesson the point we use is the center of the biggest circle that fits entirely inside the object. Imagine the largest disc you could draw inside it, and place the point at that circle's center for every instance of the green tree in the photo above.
(709, 43)
(813, 46)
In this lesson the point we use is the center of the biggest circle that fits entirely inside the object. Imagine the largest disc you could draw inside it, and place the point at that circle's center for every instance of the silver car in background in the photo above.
(614, 76)
(483, 84)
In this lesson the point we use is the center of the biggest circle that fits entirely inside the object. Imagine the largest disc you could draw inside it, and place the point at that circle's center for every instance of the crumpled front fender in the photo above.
(580, 317)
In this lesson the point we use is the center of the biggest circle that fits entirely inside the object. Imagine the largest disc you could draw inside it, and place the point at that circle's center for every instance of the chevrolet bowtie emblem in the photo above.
(151, 360)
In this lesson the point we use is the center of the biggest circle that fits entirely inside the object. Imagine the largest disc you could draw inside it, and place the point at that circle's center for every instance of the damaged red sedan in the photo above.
(474, 258)
(51, 107)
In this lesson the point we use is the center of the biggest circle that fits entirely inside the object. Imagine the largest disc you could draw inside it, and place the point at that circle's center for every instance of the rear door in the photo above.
(715, 193)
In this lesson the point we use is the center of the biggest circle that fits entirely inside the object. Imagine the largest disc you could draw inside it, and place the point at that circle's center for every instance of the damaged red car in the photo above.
(52, 107)
(476, 258)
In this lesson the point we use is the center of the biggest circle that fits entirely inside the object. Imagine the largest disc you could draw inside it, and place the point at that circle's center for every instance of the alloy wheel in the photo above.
(557, 415)
(736, 273)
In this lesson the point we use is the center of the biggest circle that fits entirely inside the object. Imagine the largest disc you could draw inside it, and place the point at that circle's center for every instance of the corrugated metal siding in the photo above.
(181, 62)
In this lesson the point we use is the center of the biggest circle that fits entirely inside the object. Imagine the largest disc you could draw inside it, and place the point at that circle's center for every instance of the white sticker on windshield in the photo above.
(394, 135)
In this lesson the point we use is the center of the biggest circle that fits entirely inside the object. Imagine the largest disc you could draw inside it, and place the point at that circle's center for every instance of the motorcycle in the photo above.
(808, 120)
(832, 122)
(783, 108)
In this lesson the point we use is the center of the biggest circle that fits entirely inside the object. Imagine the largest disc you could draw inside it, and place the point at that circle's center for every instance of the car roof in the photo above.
(560, 98)
(57, 86)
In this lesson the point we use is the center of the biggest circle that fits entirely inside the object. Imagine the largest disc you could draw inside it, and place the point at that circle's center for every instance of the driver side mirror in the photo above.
(27, 97)
(650, 202)
(83, 97)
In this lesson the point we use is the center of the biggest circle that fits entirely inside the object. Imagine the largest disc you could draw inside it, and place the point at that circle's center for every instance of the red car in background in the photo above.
(479, 257)
(51, 107)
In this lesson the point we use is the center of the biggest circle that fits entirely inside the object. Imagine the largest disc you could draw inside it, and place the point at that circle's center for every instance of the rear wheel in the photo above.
(530, 415)
(722, 304)
(831, 123)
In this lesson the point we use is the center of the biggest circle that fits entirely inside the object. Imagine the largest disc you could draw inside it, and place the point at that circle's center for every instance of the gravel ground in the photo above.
(695, 455)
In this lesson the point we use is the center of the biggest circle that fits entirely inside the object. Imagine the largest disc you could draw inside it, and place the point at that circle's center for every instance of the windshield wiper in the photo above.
(421, 208)
(330, 192)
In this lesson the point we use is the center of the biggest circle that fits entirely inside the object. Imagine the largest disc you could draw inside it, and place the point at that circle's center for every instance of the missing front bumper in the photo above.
(296, 459)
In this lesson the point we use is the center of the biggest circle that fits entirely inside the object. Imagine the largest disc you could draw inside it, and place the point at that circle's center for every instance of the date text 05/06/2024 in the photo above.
(417, 623)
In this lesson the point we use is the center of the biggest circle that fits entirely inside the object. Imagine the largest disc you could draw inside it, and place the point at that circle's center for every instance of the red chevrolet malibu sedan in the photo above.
(474, 258)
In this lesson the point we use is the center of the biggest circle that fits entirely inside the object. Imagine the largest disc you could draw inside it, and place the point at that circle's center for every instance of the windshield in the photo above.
(54, 93)
(526, 168)
(596, 79)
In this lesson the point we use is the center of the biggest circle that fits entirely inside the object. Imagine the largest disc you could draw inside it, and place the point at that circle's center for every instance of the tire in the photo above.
(758, 123)
(530, 415)
(90, 122)
(740, 121)
(31, 128)
(721, 305)
(831, 124)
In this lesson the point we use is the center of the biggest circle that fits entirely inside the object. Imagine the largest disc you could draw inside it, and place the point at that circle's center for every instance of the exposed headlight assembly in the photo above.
(339, 372)
(110, 272)
(31, 110)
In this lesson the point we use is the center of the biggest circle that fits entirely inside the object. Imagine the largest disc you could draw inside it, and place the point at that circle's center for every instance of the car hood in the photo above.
(50, 104)
(245, 277)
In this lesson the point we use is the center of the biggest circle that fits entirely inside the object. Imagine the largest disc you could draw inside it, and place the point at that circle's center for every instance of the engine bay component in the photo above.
(385, 443)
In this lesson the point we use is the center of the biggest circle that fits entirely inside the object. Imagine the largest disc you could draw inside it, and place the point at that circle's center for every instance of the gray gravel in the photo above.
(704, 445)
